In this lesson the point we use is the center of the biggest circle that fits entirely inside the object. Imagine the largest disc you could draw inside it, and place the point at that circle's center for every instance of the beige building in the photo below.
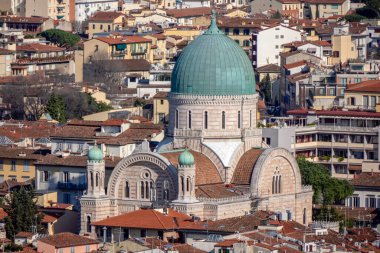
(288, 8)
(55, 9)
(15, 7)
(343, 49)
(7, 57)
(104, 21)
(117, 48)
(325, 8)
(160, 108)
(158, 47)
(364, 95)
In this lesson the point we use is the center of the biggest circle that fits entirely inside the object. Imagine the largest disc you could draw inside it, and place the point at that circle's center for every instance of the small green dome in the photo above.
(186, 158)
(95, 154)
(213, 64)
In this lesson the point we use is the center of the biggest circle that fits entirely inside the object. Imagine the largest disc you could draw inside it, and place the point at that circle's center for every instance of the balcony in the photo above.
(139, 52)
(71, 186)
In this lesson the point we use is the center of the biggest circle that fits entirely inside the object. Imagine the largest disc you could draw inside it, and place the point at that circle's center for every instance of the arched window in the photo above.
(206, 120)
(166, 190)
(189, 120)
(273, 185)
(127, 190)
(142, 190)
(223, 120)
(250, 118)
(92, 179)
(97, 180)
(187, 184)
(279, 184)
(176, 118)
(239, 119)
(276, 182)
(88, 224)
(182, 184)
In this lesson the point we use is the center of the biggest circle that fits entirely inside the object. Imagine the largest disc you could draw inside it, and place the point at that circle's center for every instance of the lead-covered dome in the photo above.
(213, 64)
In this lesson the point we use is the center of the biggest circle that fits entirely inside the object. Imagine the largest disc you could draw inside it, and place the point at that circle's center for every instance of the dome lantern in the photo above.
(186, 158)
(95, 154)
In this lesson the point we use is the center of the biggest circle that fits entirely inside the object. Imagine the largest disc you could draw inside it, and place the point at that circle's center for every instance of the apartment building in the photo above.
(270, 40)
(7, 57)
(87, 8)
(17, 164)
(161, 108)
(341, 140)
(288, 8)
(364, 95)
(108, 22)
(117, 48)
(315, 9)
(15, 7)
(55, 9)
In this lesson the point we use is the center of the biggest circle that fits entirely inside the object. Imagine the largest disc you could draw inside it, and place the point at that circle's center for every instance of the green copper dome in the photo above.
(213, 64)
(95, 154)
(186, 158)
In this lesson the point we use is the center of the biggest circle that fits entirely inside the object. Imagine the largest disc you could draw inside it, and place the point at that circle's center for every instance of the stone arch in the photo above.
(146, 157)
(266, 157)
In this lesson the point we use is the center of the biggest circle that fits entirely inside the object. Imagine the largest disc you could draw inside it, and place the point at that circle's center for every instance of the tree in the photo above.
(56, 107)
(277, 15)
(265, 88)
(373, 4)
(22, 212)
(327, 190)
(368, 12)
(354, 18)
(60, 37)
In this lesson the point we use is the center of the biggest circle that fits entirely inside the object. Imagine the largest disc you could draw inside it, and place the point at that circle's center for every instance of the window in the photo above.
(236, 31)
(93, 26)
(88, 224)
(276, 182)
(351, 101)
(1, 178)
(67, 198)
(281, 36)
(276, 46)
(87, 248)
(206, 120)
(227, 31)
(246, 31)
(343, 80)
(250, 118)
(189, 120)
(162, 101)
(26, 166)
(276, 36)
(365, 101)
(25, 178)
(13, 165)
(101, 27)
(239, 119)
(72, 250)
(176, 118)
(13, 178)
(127, 190)
(373, 101)
(334, 6)
(44, 176)
(357, 80)
(1, 165)
(66, 177)
(223, 120)
(161, 117)
(246, 43)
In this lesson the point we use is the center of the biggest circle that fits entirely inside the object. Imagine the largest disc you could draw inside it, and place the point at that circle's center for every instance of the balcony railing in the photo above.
(71, 186)
(138, 52)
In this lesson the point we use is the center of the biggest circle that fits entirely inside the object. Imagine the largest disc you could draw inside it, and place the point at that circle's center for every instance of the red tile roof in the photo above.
(105, 16)
(145, 218)
(216, 191)
(64, 240)
(189, 12)
(23, 234)
(244, 169)
(15, 19)
(48, 218)
(325, 1)
(206, 171)
(366, 86)
(295, 64)
(37, 47)
(270, 68)
(366, 179)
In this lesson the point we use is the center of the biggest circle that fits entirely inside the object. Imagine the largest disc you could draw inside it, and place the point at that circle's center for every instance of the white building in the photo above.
(86, 8)
(267, 44)
(193, 3)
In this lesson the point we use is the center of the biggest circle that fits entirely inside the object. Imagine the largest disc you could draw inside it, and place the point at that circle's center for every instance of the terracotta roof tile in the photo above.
(161, 94)
(189, 12)
(206, 171)
(270, 68)
(73, 161)
(340, 113)
(37, 47)
(366, 86)
(23, 234)
(3, 214)
(48, 218)
(15, 19)
(325, 1)
(64, 240)
(216, 191)
(366, 179)
(245, 166)
(295, 64)
(105, 16)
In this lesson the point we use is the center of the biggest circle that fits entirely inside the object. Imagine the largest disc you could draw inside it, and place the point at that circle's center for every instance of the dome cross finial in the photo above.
(213, 28)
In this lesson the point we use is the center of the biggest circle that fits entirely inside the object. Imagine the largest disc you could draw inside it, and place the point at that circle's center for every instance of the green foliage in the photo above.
(22, 212)
(60, 37)
(139, 102)
(277, 15)
(29, 36)
(13, 248)
(265, 89)
(354, 17)
(327, 190)
(100, 106)
(56, 108)
(326, 213)
(374, 5)
(368, 12)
